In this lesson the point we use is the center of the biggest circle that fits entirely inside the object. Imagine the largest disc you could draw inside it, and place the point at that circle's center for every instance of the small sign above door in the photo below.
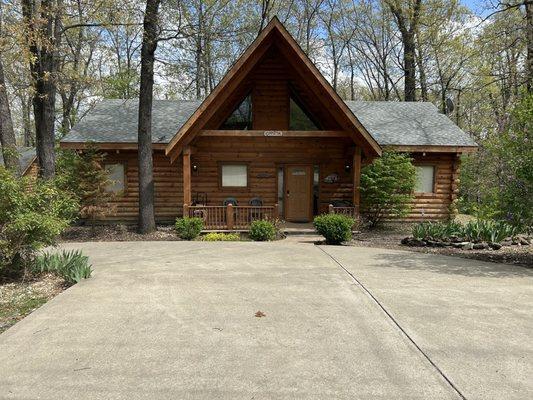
(273, 133)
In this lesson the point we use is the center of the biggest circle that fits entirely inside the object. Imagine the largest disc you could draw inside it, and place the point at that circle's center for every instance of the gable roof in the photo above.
(273, 32)
(389, 123)
(27, 156)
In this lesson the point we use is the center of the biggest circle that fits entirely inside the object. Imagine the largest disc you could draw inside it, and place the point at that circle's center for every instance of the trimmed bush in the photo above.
(262, 230)
(335, 228)
(221, 237)
(72, 266)
(189, 228)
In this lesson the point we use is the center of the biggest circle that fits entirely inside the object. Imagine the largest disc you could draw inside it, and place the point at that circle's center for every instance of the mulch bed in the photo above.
(18, 298)
(391, 237)
(116, 233)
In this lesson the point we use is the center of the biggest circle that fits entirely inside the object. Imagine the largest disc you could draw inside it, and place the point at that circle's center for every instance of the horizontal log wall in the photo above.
(168, 180)
(264, 156)
(436, 206)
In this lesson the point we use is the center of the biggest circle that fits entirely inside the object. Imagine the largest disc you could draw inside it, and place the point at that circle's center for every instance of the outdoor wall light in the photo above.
(347, 168)
(195, 168)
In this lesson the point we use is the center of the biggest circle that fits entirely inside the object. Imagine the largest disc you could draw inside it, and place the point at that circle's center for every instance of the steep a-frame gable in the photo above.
(274, 42)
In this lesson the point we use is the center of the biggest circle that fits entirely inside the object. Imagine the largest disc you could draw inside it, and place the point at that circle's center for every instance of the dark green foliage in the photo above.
(262, 230)
(189, 228)
(437, 230)
(72, 266)
(488, 231)
(387, 187)
(473, 231)
(32, 214)
(335, 228)
(497, 181)
(83, 175)
(221, 237)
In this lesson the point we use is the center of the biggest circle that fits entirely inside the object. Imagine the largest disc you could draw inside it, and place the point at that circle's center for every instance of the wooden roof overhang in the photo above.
(273, 34)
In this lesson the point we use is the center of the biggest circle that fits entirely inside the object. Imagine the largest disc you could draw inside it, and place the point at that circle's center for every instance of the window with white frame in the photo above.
(116, 177)
(425, 179)
(234, 175)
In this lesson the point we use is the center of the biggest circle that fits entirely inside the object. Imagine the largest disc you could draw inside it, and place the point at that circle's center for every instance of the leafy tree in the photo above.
(95, 198)
(387, 187)
(32, 214)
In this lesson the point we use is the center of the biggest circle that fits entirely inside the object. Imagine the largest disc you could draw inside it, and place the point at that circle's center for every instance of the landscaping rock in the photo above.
(480, 246)
(467, 246)
(434, 243)
(495, 246)
(523, 240)
(411, 241)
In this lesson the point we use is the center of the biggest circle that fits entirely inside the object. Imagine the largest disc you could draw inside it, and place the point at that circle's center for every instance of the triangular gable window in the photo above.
(241, 117)
(299, 119)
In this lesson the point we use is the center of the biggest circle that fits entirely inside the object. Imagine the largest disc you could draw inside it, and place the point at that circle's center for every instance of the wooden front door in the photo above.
(298, 186)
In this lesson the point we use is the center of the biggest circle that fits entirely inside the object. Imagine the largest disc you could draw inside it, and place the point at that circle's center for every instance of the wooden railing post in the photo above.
(230, 217)
(331, 209)
(185, 210)
(275, 212)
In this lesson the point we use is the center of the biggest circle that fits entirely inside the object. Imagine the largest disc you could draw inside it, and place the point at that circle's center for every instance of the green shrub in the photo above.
(387, 187)
(437, 230)
(488, 231)
(473, 231)
(72, 266)
(335, 228)
(189, 228)
(262, 230)
(32, 214)
(221, 237)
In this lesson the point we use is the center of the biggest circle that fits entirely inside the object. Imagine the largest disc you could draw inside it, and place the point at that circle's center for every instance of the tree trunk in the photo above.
(409, 67)
(407, 22)
(29, 140)
(529, 29)
(421, 70)
(7, 134)
(146, 178)
(43, 42)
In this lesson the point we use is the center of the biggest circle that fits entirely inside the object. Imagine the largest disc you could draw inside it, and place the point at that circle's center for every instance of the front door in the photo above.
(298, 186)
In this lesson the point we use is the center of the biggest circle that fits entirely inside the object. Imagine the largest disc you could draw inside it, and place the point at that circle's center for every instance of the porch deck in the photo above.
(239, 218)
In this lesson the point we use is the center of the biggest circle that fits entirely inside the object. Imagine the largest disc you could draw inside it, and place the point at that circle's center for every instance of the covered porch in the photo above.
(292, 185)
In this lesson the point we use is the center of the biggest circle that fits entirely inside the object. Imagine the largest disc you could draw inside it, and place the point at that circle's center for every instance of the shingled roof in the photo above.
(390, 123)
(27, 156)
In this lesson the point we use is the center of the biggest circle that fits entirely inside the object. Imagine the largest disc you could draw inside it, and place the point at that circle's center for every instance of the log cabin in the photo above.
(272, 140)
(27, 161)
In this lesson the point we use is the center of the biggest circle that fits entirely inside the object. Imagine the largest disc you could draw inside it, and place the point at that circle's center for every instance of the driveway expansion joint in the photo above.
(395, 322)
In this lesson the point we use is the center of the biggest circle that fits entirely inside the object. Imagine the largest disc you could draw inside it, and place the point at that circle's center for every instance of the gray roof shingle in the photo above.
(390, 123)
(408, 124)
(113, 120)
(26, 157)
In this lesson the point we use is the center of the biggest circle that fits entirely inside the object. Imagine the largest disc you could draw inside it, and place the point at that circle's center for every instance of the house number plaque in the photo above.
(273, 133)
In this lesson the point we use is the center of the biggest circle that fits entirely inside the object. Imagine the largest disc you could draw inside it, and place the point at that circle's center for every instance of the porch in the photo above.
(239, 218)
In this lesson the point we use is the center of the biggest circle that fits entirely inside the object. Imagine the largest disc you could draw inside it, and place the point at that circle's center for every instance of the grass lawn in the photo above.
(18, 299)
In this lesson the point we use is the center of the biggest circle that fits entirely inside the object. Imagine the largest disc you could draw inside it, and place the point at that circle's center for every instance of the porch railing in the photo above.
(348, 211)
(230, 217)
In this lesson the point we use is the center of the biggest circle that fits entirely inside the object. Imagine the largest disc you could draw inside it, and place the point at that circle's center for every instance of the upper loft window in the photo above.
(241, 117)
(299, 119)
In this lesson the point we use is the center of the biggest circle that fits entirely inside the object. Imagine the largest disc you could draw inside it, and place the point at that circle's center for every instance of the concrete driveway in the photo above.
(175, 320)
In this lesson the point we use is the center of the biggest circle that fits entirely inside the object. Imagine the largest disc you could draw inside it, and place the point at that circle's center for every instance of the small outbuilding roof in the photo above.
(390, 123)
(26, 157)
